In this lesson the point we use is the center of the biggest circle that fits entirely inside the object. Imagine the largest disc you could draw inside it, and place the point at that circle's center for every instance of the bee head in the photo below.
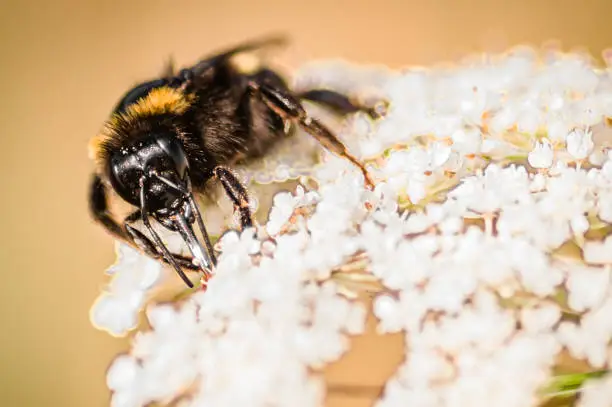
(153, 174)
(159, 164)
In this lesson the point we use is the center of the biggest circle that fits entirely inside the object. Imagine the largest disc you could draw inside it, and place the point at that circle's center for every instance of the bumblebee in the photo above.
(167, 138)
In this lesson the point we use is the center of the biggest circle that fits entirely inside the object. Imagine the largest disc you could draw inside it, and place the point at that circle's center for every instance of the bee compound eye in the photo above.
(174, 150)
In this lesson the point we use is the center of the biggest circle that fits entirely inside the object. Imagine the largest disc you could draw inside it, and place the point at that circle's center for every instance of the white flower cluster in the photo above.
(487, 233)
(252, 337)
(116, 310)
(135, 280)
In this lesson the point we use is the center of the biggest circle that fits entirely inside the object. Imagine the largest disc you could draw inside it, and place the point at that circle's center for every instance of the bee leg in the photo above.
(288, 106)
(342, 104)
(237, 193)
(99, 209)
(337, 102)
(149, 248)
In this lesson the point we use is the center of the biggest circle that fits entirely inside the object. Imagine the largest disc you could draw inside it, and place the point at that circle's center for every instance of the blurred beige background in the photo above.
(64, 65)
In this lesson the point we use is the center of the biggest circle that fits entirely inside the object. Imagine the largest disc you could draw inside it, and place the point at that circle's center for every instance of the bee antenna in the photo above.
(158, 242)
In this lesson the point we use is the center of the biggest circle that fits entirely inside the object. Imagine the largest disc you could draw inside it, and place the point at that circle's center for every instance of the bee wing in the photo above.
(220, 58)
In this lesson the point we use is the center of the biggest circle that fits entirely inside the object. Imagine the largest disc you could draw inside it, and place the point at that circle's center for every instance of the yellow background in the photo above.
(64, 65)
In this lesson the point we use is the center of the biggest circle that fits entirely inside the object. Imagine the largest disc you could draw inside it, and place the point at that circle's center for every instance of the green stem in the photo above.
(568, 385)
